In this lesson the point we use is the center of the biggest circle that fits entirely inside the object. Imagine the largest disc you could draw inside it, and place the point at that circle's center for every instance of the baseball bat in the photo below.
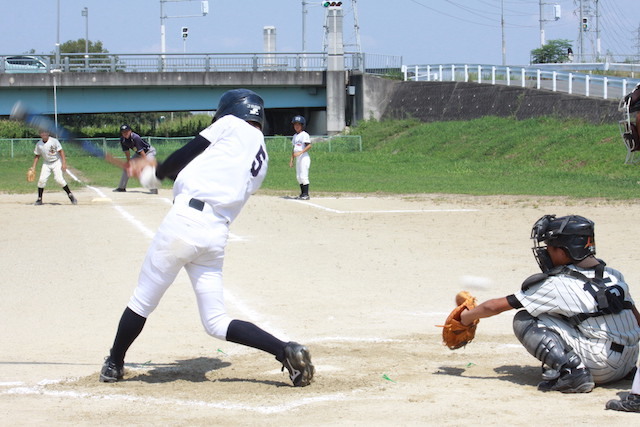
(43, 123)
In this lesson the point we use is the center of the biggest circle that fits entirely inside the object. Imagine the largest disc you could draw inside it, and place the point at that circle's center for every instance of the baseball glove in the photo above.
(31, 175)
(454, 333)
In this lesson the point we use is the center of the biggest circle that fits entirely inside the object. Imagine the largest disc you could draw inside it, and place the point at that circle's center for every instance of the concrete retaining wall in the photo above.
(442, 101)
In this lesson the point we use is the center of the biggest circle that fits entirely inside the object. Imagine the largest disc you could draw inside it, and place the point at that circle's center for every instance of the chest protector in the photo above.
(610, 299)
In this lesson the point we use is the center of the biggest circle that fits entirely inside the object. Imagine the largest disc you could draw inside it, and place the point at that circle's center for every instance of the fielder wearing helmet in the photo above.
(299, 119)
(301, 143)
(562, 320)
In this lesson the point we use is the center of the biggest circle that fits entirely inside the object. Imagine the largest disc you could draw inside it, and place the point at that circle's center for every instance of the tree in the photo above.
(78, 46)
(553, 52)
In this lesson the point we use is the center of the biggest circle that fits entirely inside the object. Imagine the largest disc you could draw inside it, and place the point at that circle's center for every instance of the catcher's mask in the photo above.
(242, 103)
(573, 233)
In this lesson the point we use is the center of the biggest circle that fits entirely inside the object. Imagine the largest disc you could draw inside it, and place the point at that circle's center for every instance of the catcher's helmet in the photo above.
(574, 233)
(242, 103)
(299, 119)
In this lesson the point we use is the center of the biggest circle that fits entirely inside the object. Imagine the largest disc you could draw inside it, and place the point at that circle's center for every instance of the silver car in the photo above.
(23, 64)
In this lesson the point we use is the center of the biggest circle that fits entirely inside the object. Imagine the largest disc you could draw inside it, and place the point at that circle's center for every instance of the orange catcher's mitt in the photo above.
(454, 333)
(31, 175)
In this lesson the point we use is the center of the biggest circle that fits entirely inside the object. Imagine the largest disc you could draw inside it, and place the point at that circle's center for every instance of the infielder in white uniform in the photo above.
(214, 174)
(578, 317)
(53, 161)
(301, 145)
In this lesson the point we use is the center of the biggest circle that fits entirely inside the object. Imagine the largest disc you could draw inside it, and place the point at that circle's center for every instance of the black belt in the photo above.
(618, 348)
(196, 204)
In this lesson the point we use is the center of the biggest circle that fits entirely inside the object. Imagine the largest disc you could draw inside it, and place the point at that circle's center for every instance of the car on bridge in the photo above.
(23, 64)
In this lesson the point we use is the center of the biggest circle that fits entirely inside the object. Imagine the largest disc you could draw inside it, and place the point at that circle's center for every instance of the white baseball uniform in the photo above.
(51, 163)
(209, 193)
(303, 162)
(608, 344)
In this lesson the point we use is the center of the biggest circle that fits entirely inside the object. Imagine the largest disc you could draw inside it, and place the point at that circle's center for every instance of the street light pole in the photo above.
(58, 39)
(85, 13)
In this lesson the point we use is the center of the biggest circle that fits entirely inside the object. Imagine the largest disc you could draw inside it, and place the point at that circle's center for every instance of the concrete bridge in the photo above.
(285, 93)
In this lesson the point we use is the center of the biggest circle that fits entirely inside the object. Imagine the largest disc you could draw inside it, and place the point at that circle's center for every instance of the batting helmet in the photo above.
(299, 119)
(242, 103)
(574, 233)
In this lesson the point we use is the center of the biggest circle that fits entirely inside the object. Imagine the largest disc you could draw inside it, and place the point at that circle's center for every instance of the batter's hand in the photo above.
(135, 166)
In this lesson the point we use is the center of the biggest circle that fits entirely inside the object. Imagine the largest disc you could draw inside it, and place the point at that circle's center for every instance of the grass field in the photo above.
(542, 156)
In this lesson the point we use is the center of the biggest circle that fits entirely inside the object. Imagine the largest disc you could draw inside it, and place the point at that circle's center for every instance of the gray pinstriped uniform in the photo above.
(597, 340)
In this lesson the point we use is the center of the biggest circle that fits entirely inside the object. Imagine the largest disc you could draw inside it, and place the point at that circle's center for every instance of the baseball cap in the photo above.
(124, 127)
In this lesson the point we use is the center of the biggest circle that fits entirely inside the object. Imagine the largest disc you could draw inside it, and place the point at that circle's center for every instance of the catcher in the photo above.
(577, 316)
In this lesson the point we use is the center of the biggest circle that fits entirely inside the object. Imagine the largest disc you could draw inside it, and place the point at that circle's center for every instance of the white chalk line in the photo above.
(234, 406)
(324, 208)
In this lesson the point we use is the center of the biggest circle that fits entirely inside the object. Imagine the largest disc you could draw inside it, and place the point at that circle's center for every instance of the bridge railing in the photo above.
(206, 62)
(601, 86)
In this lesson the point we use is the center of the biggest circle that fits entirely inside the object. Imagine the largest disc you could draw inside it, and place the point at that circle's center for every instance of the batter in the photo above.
(215, 173)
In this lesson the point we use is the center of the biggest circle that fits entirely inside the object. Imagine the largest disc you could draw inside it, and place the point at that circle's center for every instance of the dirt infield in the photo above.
(361, 280)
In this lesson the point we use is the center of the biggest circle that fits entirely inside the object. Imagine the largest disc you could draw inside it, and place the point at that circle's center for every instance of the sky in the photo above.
(419, 31)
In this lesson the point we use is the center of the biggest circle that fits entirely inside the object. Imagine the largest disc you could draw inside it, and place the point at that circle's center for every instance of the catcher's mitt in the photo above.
(31, 175)
(454, 333)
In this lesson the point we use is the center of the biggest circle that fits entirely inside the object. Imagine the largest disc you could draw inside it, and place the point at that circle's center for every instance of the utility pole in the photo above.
(304, 26)
(598, 50)
(582, 28)
(541, 23)
(85, 13)
(504, 42)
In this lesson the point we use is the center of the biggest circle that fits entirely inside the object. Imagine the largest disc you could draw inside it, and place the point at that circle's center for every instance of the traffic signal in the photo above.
(185, 32)
(585, 24)
(331, 4)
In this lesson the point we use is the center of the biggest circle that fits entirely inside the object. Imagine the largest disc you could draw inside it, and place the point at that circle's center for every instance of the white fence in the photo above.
(601, 86)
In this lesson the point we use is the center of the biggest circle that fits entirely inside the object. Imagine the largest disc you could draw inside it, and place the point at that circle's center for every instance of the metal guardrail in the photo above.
(208, 62)
(605, 87)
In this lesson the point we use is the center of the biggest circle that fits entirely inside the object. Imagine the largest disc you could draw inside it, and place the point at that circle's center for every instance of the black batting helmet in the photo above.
(299, 119)
(242, 103)
(574, 233)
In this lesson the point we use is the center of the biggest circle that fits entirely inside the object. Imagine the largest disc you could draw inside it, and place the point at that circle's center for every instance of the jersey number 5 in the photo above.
(257, 163)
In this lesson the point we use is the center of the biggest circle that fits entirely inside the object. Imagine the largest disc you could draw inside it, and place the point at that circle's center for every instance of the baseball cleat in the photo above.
(111, 372)
(38, 202)
(631, 403)
(120, 190)
(574, 381)
(73, 199)
(297, 360)
(153, 191)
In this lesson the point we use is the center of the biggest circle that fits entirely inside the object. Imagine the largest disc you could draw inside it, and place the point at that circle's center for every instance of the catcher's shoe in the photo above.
(574, 381)
(297, 360)
(631, 403)
(111, 372)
